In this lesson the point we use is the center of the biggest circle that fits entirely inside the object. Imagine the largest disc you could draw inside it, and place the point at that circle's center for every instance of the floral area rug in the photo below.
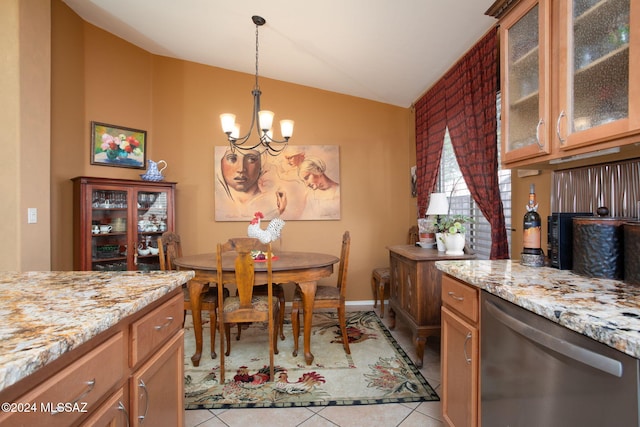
(377, 371)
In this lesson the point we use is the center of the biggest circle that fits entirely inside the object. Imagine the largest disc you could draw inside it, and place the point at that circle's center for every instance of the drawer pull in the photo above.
(165, 325)
(464, 348)
(90, 385)
(123, 409)
(143, 386)
(455, 297)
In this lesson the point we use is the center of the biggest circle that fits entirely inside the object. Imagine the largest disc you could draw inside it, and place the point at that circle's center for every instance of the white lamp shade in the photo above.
(438, 204)
(228, 121)
(236, 131)
(286, 128)
(265, 118)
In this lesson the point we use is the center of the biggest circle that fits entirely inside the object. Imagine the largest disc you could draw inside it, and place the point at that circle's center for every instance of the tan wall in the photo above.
(178, 103)
(25, 124)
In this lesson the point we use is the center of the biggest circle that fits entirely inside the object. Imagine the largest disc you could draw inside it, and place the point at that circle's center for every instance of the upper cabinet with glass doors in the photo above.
(117, 223)
(586, 99)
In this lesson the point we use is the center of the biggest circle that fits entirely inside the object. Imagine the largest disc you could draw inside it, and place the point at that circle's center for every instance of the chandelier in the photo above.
(262, 119)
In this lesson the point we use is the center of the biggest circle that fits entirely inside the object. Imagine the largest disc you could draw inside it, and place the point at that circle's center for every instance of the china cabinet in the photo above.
(566, 81)
(460, 353)
(117, 223)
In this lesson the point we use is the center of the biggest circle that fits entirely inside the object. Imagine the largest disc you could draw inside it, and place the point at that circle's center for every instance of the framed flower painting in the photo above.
(118, 146)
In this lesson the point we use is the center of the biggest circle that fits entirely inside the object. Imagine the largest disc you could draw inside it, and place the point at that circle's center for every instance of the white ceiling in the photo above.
(389, 51)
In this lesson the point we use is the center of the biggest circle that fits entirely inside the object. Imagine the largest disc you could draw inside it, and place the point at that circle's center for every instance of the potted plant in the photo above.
(453, 230)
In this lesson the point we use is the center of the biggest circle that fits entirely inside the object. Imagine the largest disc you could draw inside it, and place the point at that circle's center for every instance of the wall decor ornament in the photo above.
(118, 146)
(302, 183)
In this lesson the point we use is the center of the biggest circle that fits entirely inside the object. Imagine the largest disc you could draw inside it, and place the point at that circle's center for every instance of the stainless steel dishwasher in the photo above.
(537, 373)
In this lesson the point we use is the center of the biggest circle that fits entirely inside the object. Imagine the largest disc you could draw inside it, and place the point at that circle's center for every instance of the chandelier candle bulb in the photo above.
(228, 122)
(286, 128)
(266, 120)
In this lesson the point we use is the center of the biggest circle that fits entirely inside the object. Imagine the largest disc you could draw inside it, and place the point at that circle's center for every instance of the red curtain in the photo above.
(467, 96)
(431, 124)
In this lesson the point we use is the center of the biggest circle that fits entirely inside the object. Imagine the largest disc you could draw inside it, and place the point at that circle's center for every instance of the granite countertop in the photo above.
(46, 314)
(606, 310)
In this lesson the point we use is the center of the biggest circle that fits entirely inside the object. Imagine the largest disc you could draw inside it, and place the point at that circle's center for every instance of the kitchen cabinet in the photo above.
(101, 383)
(565, 77)
(415, 291)
(460, 357)
(117, 223)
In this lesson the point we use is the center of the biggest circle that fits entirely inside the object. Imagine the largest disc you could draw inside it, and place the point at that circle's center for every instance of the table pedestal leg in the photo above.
(308, 296)
(195, 291)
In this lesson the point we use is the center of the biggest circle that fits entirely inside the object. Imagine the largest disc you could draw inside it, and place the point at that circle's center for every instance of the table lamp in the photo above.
(438, 205)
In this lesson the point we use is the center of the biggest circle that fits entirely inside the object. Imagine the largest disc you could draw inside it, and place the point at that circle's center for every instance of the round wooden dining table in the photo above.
(302, 268)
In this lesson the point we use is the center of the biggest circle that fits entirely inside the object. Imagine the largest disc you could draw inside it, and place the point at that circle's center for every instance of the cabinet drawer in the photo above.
(460, 297)
(148, 333)
(77, 388)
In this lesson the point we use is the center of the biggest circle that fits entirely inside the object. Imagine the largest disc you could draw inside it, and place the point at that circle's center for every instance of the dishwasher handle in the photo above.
(580, 354)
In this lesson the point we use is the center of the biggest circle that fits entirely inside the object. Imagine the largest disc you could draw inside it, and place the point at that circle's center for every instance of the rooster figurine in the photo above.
(265, 236)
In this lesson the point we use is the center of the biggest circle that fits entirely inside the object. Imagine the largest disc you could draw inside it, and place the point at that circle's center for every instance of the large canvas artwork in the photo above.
(302, 183)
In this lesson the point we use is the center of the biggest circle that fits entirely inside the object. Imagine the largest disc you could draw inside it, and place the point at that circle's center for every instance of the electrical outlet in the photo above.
(32, 215)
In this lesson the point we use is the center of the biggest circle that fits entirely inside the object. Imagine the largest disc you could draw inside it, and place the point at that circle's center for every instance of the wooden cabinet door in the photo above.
(112, 413)
(460, 365)
(157, 388)
(525, 73)
(597, 59)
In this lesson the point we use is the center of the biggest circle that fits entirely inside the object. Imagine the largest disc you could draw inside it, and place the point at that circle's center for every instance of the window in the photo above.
(450, 181)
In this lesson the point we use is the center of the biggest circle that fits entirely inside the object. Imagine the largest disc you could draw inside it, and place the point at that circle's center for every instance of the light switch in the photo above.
(32, 215)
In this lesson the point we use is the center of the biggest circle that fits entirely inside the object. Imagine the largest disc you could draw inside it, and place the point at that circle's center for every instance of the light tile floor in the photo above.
(423, 414)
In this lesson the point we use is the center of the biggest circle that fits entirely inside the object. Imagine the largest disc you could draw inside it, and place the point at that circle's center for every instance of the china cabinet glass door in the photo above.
(151, 221)
(109, 229)
(525, 82)
(594, 80)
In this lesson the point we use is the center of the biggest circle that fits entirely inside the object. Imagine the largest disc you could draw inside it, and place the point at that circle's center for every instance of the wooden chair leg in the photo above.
(343, 329)
(381, 292)
(374, 290)
(227, 332)
(295, 326)
(281, 306)
(214, 325)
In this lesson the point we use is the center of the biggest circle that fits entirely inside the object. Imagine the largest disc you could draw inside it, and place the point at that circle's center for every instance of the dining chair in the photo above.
(246, 306)
(170, 248)
(327, 297)
(381, 276)
(278, 292)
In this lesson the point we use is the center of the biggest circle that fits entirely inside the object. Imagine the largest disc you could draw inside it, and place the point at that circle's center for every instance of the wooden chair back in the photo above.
(244, 279)
(169, 248)
(344, 264)
(413, 236)
(244, 266)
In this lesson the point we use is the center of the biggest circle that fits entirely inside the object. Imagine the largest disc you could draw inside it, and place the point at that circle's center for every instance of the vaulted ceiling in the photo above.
(389, 51)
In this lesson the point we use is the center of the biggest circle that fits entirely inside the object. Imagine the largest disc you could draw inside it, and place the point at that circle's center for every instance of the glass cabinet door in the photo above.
(525, 82)
(109, 229)
(596, 74)
(151, 221)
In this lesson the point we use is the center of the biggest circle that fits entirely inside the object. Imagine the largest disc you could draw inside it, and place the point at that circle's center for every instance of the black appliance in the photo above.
(560, 238)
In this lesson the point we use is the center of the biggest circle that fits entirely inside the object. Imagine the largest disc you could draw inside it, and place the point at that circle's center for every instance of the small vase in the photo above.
(112, 154)
(454, 243)
(440, 242)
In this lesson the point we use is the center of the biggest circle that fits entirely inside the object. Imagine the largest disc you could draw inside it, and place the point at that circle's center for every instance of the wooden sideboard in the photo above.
(416, 291)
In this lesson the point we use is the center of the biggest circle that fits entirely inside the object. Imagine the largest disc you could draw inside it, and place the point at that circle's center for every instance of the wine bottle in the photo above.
(532, 226)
